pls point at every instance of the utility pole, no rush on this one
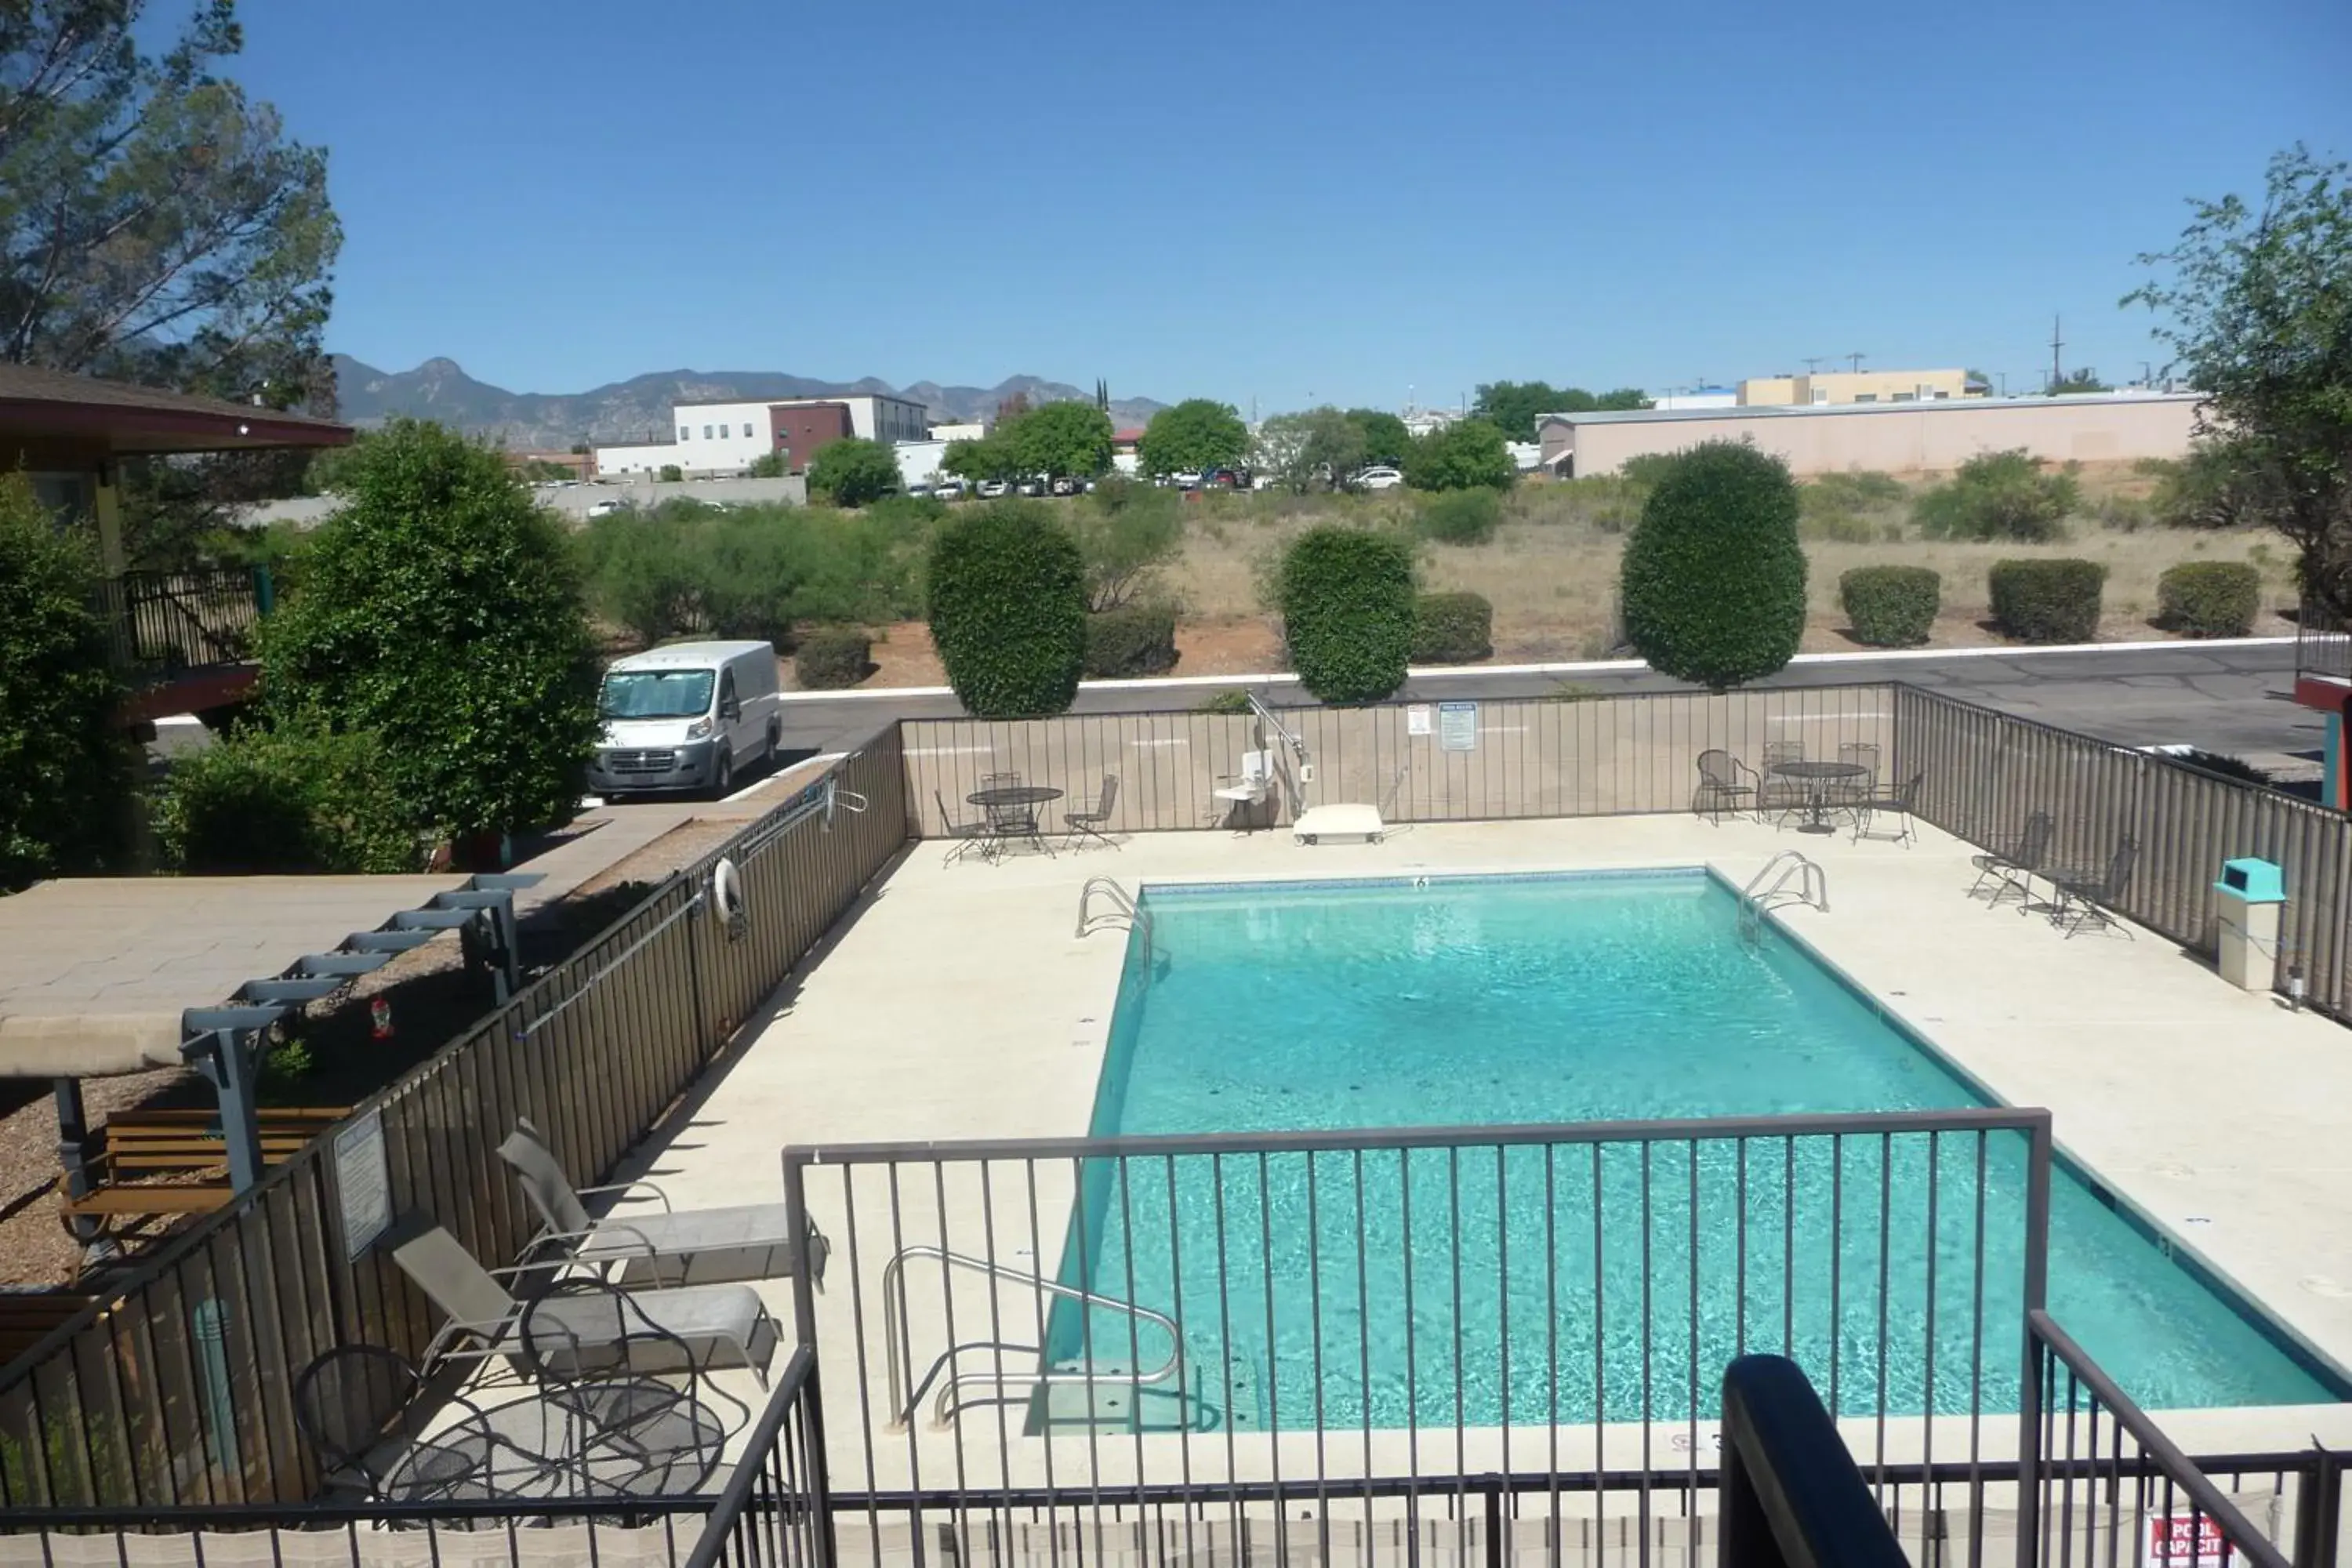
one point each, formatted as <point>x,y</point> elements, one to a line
<point>1854,362</point>
<point>1812,363</point>
<point>2057,343</point>
<point>2004,382</point>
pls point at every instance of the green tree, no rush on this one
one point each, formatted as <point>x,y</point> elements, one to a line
<point>1347,602</point>
<point>157,227</point>
<point>853,471</point>
<point>1999,495</point>
<point>1060,440</point>
<point>439,611</point>
<point>987,459</point>
<point>768,466</point>
<point>1192,438</point>
<point>1513,406</point>
<point>1458,456</point>
<point>1319,446</point>
<point>1126,532</point>
<point>293,799</point>
<point>1713,585</point>
<point>2083,380</point>
<point>1008,610</point>
<point>65,765</point>
<point>1623,400</point>
<point>1386,440</point>
<point>2256,307</point>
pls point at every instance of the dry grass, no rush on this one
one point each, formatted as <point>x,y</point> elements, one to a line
<point>1551,569</point>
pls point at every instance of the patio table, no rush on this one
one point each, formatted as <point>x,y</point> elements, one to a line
<point>1817,778</point>
<point>1013,810</point>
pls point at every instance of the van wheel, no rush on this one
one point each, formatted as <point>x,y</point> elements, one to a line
<point>722,777</point>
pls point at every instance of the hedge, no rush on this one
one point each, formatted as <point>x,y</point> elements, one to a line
<point>1348,613</point>
<point>1131,640</point>
<point>1713,585</point>
<point>2210,598</point>
<point>1453,629</point>
<point>1891,607</point>
<point>1008,606</point>
<point>286,800</point>
<point>831,658</point>
<point>1459,517</point>
<point>2052,601</point>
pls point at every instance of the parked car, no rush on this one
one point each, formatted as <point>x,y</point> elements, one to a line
<point>1225,480</point>
<point>949,490</point>
<point>1072,485</point>
<point>685,716</point>
<point>1188,482</point>
<point>1033,487</point>
<point>1381,478</point>
<point>990,489</point>
<point>606,508</point>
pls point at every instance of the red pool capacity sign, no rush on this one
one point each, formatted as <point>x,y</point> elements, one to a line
<point>2186,1541</point>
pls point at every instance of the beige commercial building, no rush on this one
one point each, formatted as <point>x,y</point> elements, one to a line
<point>1910,437</point>
<point>1853,386</point>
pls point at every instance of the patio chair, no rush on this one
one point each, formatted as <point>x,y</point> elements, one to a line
<point>1248,787</point>
<point>361,1410</point>
<point>1722,783</point>
<point>1090,822</point>
<point>2013,872</point>
<point>1851,795</point>
<point>966,836</point>
<point>1776,797</point>
<point>2082,902</point>
<point>1900,804</point>
<point>659,1246</point>
<point>709,1325</point>
<point>649,1436</point>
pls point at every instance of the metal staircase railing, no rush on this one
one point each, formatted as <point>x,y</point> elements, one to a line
<point>1769,889</point>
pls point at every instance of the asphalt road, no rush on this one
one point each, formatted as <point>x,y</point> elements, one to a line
<point>2236,701</point>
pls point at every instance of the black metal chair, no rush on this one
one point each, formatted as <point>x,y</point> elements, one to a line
<point>1900,804</point>
<point>1854,794</point>
<point>1090,822</point>
<point>2083,902</point>
<point>362,1408</point>
<point>636,1408</point>
<point>966,836</point>
<point>2015,872</point>
<point>1775,796</point>
<point>1722,783</point>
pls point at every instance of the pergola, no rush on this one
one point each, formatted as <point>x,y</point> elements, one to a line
<point>103,976</point>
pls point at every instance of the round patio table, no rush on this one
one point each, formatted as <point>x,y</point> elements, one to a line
<point>1817,778</point>
<point>1012,795</point>
<point>1013,814</point>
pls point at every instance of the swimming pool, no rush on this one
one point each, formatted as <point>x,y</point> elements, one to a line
<point>1489,1284</point>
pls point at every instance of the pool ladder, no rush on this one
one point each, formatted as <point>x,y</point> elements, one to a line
<point>906,1391</point>
<point>1769,888</point>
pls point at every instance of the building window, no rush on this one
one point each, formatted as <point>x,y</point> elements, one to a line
<point>1942,395</point>
<point>1865,397</point>
<point>1905,397</point>
<point>685,433</point>
<point>706,432</point>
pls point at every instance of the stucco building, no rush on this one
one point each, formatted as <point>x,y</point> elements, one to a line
<point>1910,437</point>
<point>1853,386</point>
<point>728,437</point>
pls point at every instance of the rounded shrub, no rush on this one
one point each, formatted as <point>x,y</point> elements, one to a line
<point>1131,640</point>
<point>1713,580</point>
<point>1459,517</point>
<point>1347,612</point>
<point>831,658</point>
<point>1891,607</point>
<point>2052,601</point>
<point>2210,598</point>
<point>1453,629</point>
<point>287,800</point>
<point>1008,608</point>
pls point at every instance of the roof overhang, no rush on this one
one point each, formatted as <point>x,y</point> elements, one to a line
<point>126,430</point>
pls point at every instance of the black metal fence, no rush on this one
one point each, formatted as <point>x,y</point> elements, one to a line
<point>171,621</point>
<point>176,1389</point>
<point>2323,645</point>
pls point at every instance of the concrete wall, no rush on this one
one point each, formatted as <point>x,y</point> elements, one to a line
<point>1903,438</point>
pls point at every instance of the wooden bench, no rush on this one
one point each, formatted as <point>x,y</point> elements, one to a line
<point>29,1317</point>
<point>135,1145</point>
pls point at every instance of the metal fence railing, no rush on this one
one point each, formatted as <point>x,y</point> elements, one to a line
<point>1985,772</point>
<point>1418,762</point>
<point>2323,645</point>
<point>171,621</point>
<point>1416,1336</point>
<point>175,1389</point>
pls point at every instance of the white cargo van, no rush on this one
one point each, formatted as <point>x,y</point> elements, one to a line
<point>686,717</point>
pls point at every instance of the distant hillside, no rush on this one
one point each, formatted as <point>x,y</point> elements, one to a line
<point>638,409</point>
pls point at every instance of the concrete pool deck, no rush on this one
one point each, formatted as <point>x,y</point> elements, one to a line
<point>955,1004</point>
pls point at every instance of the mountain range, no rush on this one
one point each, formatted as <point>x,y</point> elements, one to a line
<point>638,409</point>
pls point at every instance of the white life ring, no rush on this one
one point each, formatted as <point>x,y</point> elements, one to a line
<point>726,897</point>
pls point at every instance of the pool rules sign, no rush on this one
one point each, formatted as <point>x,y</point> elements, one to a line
<point>2186,1541</point>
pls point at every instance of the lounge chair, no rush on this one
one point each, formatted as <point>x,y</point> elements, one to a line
<point>2015,871</point>
<point>652,1247</point>
<point>1722,783</point>
<point>699,1325</point>
<point>1090,823</point>
<point>2083,902</point>
<point>966,836</point>
<point>1901,804</point>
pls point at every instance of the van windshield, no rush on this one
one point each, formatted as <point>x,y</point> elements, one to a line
<point>656,694</point>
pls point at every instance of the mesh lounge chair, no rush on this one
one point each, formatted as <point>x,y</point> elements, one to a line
<point>702,1325</point>
<point>1723,783</point>
<point>2013,872</point>
<point>2083,902</point>
<point>966,836</point>
<point>1090,824</point>
<point>652,1247</point>
<point>1870,807</point>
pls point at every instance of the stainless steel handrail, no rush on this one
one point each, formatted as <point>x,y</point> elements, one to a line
<point>899,1350</point>
<point>1812,888</point>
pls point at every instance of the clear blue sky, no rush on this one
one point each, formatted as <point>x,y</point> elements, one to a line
<point>1295,200</point>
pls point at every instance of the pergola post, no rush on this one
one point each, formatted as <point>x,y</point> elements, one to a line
<point>225,1045</point>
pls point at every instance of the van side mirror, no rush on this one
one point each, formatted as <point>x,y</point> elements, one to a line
<point>730,710</point>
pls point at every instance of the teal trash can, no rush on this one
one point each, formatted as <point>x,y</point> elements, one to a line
<point>2249,895</point>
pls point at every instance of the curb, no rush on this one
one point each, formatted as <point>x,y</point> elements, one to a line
<point>1587,667</point>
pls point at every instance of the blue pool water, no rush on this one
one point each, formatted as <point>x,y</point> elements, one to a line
<point>1525,1284</point>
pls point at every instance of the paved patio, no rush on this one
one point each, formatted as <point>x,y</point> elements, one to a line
<point>955,1004</point>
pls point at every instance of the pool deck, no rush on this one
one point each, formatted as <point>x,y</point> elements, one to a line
<point>955,1003</point>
